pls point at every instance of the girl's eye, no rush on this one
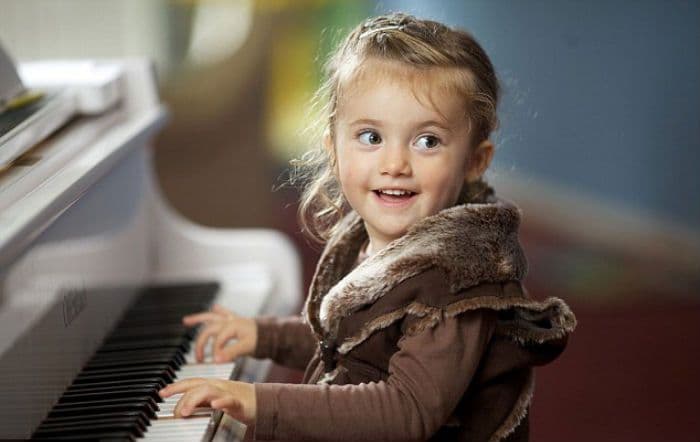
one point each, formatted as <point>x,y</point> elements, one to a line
<point>427,142</point>
<point>370,137</point>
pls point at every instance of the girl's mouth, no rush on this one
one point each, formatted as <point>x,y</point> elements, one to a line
<point>394,197</point>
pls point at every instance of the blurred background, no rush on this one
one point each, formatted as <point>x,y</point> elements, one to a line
<point>599,145</point>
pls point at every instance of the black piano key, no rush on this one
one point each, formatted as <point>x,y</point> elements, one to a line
<point>135,355</point>
<point>134,427</point>
<point>120,436</point>
<point>137,333</point>
<point>179,343</point>
<point>168,314</point>
<point>166,317</point>
<point>137,421</point>
<point>142,407</point>
<point>133,416</point>
<point>132,363</point>
<point>151,332</point>
<point>139,384</point>
<point>118,370</point>
<point>134,375</point>
<point>143,315</point>
<point>129,382</point>
<point>146,400</point>
<point>113,425</point>
<point>114,394</point>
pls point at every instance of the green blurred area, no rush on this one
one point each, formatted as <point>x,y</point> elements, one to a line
<point>296,68</point>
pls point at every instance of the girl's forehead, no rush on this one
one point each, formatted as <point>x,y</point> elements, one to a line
<point>431,87</point>
<point>423,79</point>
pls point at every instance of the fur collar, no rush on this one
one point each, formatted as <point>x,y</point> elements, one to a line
<point>472,243</point>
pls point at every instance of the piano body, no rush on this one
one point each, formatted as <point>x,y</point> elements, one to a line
<point>84,233</point>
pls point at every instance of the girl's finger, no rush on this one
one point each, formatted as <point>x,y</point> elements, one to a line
<point>181,386</point>
<point>202,338</point>
<point>225,334</point>
<point>197,318</point>
<point>228,403</point>
<point>218,308</point>
<point>228,353</point>
<point>201,395</point>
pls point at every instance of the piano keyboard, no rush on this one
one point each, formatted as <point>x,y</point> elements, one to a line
<point>115,396</point>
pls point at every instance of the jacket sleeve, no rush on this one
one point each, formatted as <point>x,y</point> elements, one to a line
<point>427,377</point>
<point>288,341</point>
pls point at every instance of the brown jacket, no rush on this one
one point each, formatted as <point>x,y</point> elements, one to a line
<point>433,337</point>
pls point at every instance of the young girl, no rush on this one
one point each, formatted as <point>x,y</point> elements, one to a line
<point>416,324</point>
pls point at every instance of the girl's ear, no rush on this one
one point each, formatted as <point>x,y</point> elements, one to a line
<point>328,141</point>
<point>479,160</point>
<point>330,149</point>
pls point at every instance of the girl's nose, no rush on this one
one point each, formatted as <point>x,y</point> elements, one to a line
<point>394,161</point>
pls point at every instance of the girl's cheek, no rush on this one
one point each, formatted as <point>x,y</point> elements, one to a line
<point>349,169</point>
<point>345,175</point>
<point>346,184</point>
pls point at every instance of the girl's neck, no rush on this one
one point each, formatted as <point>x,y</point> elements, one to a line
<point>365,251</point>
<point>375,243</point>
<point>362,255</point>
<point>373,246</point>
<point>368,250</point>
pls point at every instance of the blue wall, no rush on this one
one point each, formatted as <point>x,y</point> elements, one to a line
<point>599,96</point>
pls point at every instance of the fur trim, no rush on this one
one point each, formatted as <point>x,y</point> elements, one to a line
<point>330,376</point>
<point>563,321</point>
<point>471,243</point>
<point>415,308</point>
<point>519,411</point>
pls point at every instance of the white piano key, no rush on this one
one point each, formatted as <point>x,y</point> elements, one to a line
<point>168,428</point>
<point>162,426</point>
<point>208,353</point>
<point>190,429</point>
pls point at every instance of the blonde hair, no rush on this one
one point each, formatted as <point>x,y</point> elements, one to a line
<point>420,44</point>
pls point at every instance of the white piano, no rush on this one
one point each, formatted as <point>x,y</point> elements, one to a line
<point>85,233</point>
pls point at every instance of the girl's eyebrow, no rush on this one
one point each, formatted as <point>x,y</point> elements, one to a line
<point>429,123</point>
<point>367,121</point>
<point>435,123</point>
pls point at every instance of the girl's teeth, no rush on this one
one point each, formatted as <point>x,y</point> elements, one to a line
<point>395,192</point>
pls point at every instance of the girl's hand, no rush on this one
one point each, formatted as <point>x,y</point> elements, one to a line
<point>222,325</point>
<point>237,399</point>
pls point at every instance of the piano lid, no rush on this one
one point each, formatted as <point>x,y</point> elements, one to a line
<point>63,167</point>
<point>10,84</point>
<point>27,116</point>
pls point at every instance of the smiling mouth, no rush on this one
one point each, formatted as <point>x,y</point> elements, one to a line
<point>394,196</point>
<point>394,192</point>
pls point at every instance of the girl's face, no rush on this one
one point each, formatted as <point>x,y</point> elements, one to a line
<point>402,154</point>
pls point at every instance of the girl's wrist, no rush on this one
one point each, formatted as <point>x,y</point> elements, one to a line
<point>253,405</point>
